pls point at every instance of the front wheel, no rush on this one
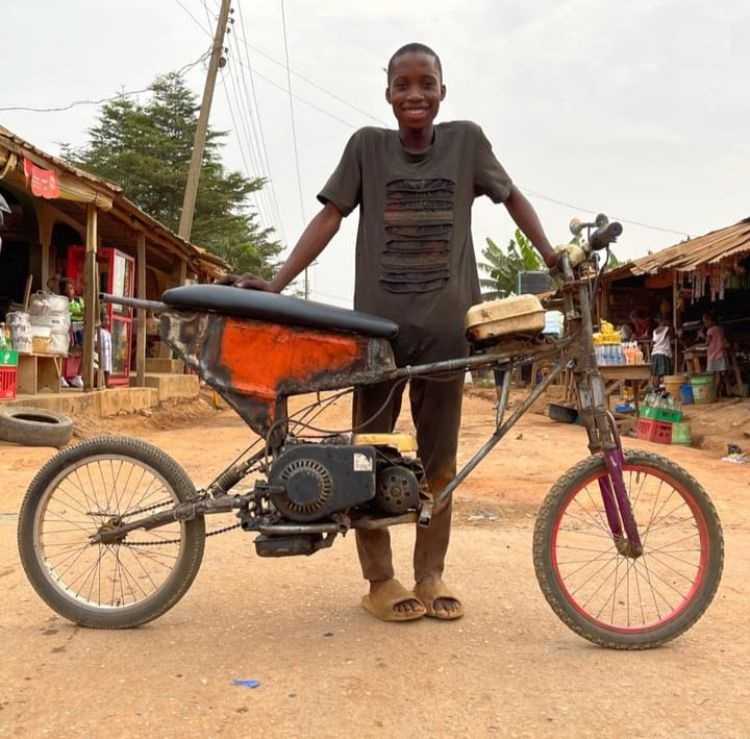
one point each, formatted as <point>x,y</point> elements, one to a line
<point>616,600</point>
<point>85,489</point>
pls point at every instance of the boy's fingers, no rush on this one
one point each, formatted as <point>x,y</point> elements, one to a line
<point>228,279</point>
<point>250,282</point>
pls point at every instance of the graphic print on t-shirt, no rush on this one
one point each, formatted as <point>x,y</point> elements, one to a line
<point>418,229</point>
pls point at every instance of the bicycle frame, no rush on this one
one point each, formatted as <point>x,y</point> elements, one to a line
<point>198,338</point>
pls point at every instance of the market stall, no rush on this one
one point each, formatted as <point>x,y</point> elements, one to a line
<point>703,287</point>
<point>63,225</point>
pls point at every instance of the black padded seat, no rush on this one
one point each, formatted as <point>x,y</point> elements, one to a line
<point>263,306</point>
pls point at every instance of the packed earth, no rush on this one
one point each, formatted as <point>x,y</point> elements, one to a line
<point>281,647</point>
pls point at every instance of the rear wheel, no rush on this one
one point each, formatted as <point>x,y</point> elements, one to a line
<point>108,585</point>
<point>618,601</point>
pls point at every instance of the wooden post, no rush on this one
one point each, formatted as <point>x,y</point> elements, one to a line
<point>140,349</point>
<point>199,143</point>
<point>675,298</point>
<point>89,297</point>
<point>183,272</point>
<point>46,222</point>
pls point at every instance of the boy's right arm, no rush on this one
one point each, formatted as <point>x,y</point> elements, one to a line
<point>321,229</point>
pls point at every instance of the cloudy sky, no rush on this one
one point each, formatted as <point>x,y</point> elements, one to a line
<point>636,109</point>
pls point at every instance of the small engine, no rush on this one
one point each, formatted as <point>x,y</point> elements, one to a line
<point>322,479</point>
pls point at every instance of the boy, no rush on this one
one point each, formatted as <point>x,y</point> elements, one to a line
<point>104,346</point>
<point>415,264</point>
<point>661,352</point>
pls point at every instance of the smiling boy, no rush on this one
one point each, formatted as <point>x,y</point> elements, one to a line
<point>415,264</point>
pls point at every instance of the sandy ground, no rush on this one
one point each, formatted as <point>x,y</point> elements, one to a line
<point>326,668</point>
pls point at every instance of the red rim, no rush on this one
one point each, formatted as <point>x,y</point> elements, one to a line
<point>703,559</point>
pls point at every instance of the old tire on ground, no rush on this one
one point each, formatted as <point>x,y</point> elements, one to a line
<point>69,471</point>
<point>35,427</point>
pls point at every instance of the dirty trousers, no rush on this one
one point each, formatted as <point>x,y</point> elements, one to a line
<point>436,412</point>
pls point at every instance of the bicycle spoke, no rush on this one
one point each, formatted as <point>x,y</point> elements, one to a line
<point>81,501</point>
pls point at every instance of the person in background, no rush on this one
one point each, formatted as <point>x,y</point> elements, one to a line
<point>76,308</point>
<point>716,350</point>
<point>641,324</point>
<point>661,353</point>
<point>104,348</point>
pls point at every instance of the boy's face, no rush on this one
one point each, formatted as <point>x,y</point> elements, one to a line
<point>415,90</point>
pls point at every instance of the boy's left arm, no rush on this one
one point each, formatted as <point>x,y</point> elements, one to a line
<point>525,217</point>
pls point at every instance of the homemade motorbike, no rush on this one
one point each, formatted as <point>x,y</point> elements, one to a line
<point>627,547</point>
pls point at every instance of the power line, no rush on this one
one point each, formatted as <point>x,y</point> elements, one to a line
<point>124,93</point>
<point>312,83</point>
<point>263,205</point>
<point>344,122</point>
<point>294,138</point>
<point>549,199</point>
<point>291,114</point>
<point>264,148</point>
<point>275,84</point>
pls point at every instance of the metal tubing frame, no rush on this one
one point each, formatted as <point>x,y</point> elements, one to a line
<point>500,432</point>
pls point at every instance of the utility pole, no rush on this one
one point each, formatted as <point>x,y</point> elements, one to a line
<point>194,173</point>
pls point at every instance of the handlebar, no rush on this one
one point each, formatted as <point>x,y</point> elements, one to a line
<point>603,237</point>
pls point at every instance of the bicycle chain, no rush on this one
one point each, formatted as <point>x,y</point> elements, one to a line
<point>146,509</point>
<point>176,541</point>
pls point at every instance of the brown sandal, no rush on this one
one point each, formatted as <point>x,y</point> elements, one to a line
<point>390,594</point>
<point>428,591</point>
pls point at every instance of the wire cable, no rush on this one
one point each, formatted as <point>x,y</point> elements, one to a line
<point>562,203</point>
<point>99,101</point>
<point>256,108</point>
<point>291,112</point>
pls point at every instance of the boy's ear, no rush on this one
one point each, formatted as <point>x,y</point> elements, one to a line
<point>388,94</point>
<point>443,91</point>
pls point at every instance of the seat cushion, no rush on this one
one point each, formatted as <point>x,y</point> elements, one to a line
<point>263,306</point>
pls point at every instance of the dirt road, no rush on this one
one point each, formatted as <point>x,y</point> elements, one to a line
<point>326,668</point>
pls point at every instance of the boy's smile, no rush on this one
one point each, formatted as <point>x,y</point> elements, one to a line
<point>415,90</point>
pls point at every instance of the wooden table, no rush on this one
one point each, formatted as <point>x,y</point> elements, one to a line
<point>615,376</point>
<point>39,373</point>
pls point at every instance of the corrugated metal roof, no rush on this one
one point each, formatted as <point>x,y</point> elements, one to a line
<point>116,193</point>
<point>686,256</point>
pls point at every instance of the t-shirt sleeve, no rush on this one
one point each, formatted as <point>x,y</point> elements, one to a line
<point>344,186</point>
<point>489,176</point>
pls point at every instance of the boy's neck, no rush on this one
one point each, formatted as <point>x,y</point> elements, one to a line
<point>417,140</point>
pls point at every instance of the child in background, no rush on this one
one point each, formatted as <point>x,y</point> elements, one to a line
<point>716,353</point>
<point>661,353</point>
<point>104,341</point>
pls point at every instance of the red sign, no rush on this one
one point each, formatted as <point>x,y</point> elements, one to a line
<point>43,181</point>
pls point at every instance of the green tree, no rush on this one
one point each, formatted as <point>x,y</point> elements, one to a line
<point>502,267</point>
<point>146,148</point>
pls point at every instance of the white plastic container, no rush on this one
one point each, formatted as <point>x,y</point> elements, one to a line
<point>554,323</point>
<point>501,319</point>
<point>43,303</point>
<point>59,343</point>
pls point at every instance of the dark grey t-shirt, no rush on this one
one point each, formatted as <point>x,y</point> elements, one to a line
<point>415,257</point>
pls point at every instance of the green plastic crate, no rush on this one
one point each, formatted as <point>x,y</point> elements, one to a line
<point>668,416</point>
<point>8,358</point>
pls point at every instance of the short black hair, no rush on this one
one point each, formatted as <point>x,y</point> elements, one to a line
<point>414,48</point>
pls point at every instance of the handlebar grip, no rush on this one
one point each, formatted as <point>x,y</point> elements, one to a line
<point>603,237</point>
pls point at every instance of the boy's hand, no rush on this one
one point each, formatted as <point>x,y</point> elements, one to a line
<point>247,282</point>
<point>576,255</point>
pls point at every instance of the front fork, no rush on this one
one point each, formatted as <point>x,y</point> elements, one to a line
<point>602,430</point>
